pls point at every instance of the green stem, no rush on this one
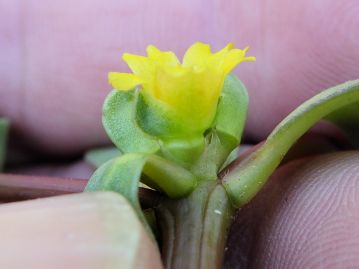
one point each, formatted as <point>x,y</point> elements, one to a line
<point>195,228</point>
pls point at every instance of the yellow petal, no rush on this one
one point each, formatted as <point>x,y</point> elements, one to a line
<point>139,64</point>
<point>233,58</point>
<point>189,91</point>
<point>221,53</point>
<point>197,55</point>
<point>123,81</point>
<point>162,58</point>
<point>193,95</point>
<point>170,84</point>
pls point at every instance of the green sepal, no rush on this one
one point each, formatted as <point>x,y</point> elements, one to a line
<point>176,142</point>
<point>156,118</point>
<point>121,124</point>
<point>225,135</point>
<point>4,130</point>
<point>243,182</point>
<point>99,156</point>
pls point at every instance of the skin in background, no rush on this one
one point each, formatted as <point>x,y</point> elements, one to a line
<point>56,55</point>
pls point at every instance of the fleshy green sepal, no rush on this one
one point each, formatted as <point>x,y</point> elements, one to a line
<point>121,123</point>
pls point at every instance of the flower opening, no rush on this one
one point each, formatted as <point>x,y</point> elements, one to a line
<point>190,90</point>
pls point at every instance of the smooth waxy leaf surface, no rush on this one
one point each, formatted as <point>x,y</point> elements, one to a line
<point>243,182</point>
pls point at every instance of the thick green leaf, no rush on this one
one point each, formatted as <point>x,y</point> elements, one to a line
<point>347,118</point>
<point>123,175</point>
<point>99,156</point>
<point>120,175</point>
<point>231,157</point>
<point>168,177</point>
<point>227,129</point>
<point>243,182</point>
<point>4,129</point>
<point>175,178</point>
<point>120,122</point>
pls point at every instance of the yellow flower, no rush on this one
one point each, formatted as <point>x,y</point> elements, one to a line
<point>190,90</point>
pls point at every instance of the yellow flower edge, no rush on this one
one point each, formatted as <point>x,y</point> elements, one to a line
<point>190,90</point>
